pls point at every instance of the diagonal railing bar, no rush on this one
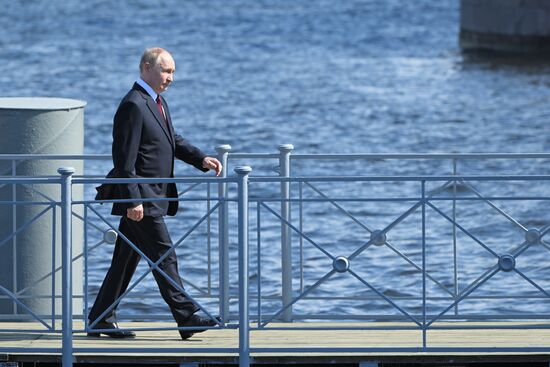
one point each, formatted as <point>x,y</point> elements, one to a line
<point>387,229</point>
<point>21,304</point>
<point>401,218</point>
<point>152,266</point>
<point>194,286</point>
<point>128,290</point>
<point>516,252</point>
<point>462,296</point>
<point>150,263</point>
<point>339,207</point>
<point>306,237</point>
<point>300,296</point>
<point>365,246</point>
<point>406,258</point>
<point>147,259</point>
<point>351,216</point>
<point>197,224</point>
<point>118,300</point>
<point>22,291</point>
<point>494,206</point>
<point>178,243</point>
<point>398,220</point>
<point>24,226</point>
<point>95,226</point>
<point>49,199</point>
<point>383,296</point>
<point>473,283</point>
<point>183,192</point>
<point>544,230</point>
<point>184,237</point>
<point>432,193</point>
<point>520,249</point>
<point>464,230</point>
<point>545,245</point>
<point>532,282</point>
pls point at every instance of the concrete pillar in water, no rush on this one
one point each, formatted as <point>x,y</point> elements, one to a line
<point>29,259</point>
<point>505,25</point>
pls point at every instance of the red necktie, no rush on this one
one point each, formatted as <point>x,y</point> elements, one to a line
<point>159,106</point>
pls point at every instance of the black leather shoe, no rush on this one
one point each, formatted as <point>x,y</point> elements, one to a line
<point>116,333</point>
<point>197,321</point>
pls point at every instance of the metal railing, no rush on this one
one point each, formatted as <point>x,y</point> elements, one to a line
<point>66,205</point>
<point>288,200</point>
<point>299,166</point>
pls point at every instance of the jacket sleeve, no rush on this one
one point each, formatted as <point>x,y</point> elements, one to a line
<point>189,153</point>
<point>128,123</point>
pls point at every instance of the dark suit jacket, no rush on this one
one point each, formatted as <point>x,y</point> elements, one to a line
<point>144,146</point>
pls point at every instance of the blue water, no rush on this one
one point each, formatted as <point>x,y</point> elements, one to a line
<point>354,76</point>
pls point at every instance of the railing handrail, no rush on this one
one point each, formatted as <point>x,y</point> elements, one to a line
<point>400,178</point>
<point>55,156</point>
<point>423,156</point>
<point>336,156</point>
<point>285,178</point>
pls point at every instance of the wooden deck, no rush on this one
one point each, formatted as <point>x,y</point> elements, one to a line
<point>325,345</point>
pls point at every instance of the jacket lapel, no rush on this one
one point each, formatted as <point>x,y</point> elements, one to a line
<point>160,120</point>
<point>168,122</point>
<point>152,105</point>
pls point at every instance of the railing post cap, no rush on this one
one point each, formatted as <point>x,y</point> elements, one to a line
<point>65,170</point>
<point>285,148</point>
<point>243,170</point>
<point>223,148</point>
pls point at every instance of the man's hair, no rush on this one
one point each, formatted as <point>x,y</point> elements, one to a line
<point>150,56</point>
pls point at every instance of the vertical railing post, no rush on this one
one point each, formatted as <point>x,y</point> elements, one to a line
<point>286,247</point>
<point>244,323</point>
<point>223,229</point>
<point>66,275</point>
<point>424,311</point>
<point>14,229</point>
<point>455,253</point>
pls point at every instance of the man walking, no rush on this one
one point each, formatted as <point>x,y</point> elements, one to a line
<point>145,145</point>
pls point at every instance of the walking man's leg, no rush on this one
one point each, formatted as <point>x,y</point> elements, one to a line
<point>156,242</point>
<point>123,266</point>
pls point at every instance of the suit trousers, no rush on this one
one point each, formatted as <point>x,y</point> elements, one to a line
<point>151,236</point>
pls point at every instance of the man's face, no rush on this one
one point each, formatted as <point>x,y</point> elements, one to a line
<point>160,76</point>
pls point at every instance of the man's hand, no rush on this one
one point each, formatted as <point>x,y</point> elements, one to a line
<point>135,213</point>
<point>212,163</point>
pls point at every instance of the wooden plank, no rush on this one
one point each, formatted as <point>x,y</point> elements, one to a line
<point>294,337</point>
